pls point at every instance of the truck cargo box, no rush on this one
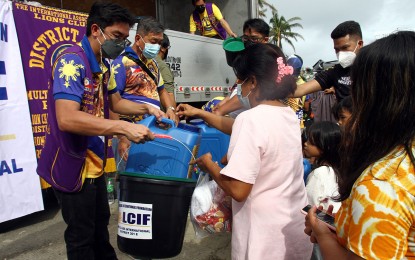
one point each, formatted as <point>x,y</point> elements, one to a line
<point>199,66</point>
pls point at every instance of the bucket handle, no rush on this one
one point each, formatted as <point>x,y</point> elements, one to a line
<point>168,123</point>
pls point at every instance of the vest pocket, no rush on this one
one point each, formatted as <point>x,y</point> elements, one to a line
<point>66,171</point>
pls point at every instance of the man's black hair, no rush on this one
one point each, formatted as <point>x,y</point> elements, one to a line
<point>106,14</point>
<point>258,25</point>
<point>194,2</point>
<point>347,28</point>
<point>165,43</point>
<point>147,25</point>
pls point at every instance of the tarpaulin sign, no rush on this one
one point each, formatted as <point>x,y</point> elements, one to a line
<point>20,192</point>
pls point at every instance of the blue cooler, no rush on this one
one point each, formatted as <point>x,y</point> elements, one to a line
<point>163,156</point>
<point>213,141</point>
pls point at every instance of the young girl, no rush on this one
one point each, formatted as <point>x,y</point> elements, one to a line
<point>323,139</point>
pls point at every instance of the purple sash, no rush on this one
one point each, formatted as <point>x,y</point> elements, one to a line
<point>212,19</point>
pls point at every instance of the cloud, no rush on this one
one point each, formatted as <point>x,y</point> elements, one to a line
<point>320,17</point>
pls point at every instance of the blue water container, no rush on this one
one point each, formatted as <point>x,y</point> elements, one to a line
<point>307,169</point>
<point>163,156</point>
<point>213,141</point>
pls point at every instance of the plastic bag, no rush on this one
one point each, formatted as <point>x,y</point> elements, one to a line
<point>210,209</point>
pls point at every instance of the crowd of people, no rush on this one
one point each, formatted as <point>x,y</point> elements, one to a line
<point>363,164</point>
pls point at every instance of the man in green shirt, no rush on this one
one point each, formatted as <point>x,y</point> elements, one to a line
<point>165,69</point>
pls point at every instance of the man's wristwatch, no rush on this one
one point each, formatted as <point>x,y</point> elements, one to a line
<point>172,108</point>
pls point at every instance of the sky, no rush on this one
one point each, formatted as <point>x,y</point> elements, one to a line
<point>320,17</point>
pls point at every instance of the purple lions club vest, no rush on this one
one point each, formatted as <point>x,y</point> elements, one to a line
<point>63,156</point>
<point>212,19</point>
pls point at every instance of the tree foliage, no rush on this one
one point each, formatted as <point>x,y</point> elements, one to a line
<point>282,29</point>
<point>263,4</point>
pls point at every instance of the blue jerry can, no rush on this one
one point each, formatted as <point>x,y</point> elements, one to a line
<point>169,153</point>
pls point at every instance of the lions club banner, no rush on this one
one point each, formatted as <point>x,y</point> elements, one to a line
<point>20,192</point>
<point>44,32</point>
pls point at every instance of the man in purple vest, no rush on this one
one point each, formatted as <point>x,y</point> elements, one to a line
<point>208,20</point>
<point>82,92</point>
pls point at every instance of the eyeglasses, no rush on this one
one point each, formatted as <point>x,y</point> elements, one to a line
<point>246,38</point>
<point>121,42</point>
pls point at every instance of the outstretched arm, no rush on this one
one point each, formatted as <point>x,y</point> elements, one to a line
<point>227,28</point>
<point>307,88</point>
<point>168,105</point>
<point>221,123</point>
<point>225,108</point>
<point>71,119</point>
<point>126,107</point>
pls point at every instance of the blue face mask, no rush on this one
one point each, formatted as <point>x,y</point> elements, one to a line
<point>150,50</point>
<point>244,100</point>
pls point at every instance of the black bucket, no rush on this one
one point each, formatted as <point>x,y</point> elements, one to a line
<point>153,214</point>
<point>232,47</point>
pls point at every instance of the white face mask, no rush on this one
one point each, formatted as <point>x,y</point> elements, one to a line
<point>150,50</point>
<point>244,100</point>
<point>346,58</point>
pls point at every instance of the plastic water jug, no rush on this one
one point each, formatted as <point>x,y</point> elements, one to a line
<point>307,169</point>
<point>169,153</point>
<point>213,141</point>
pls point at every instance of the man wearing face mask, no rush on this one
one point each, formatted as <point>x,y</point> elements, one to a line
<point>165,70</point>
<point>347,40</point>
<point>255,31</point>
<point>208,20</point>
<point>138,77</point>
<point>81,94</point>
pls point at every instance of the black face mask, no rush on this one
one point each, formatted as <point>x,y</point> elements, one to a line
<point>111,49</point>
<point>249,43</point>
<point>200,8</point>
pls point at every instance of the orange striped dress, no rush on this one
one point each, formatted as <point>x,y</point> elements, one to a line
<point>377,221</point>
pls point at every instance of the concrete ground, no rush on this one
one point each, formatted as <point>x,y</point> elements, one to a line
<point>40,236</point>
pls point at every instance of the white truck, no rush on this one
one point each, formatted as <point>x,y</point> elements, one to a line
<point>199,67</point>
<point>199,63</point>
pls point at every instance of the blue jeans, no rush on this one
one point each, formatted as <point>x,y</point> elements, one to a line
<point>87,215</point>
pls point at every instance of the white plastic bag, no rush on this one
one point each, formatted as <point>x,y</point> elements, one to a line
<point>210,208</point>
